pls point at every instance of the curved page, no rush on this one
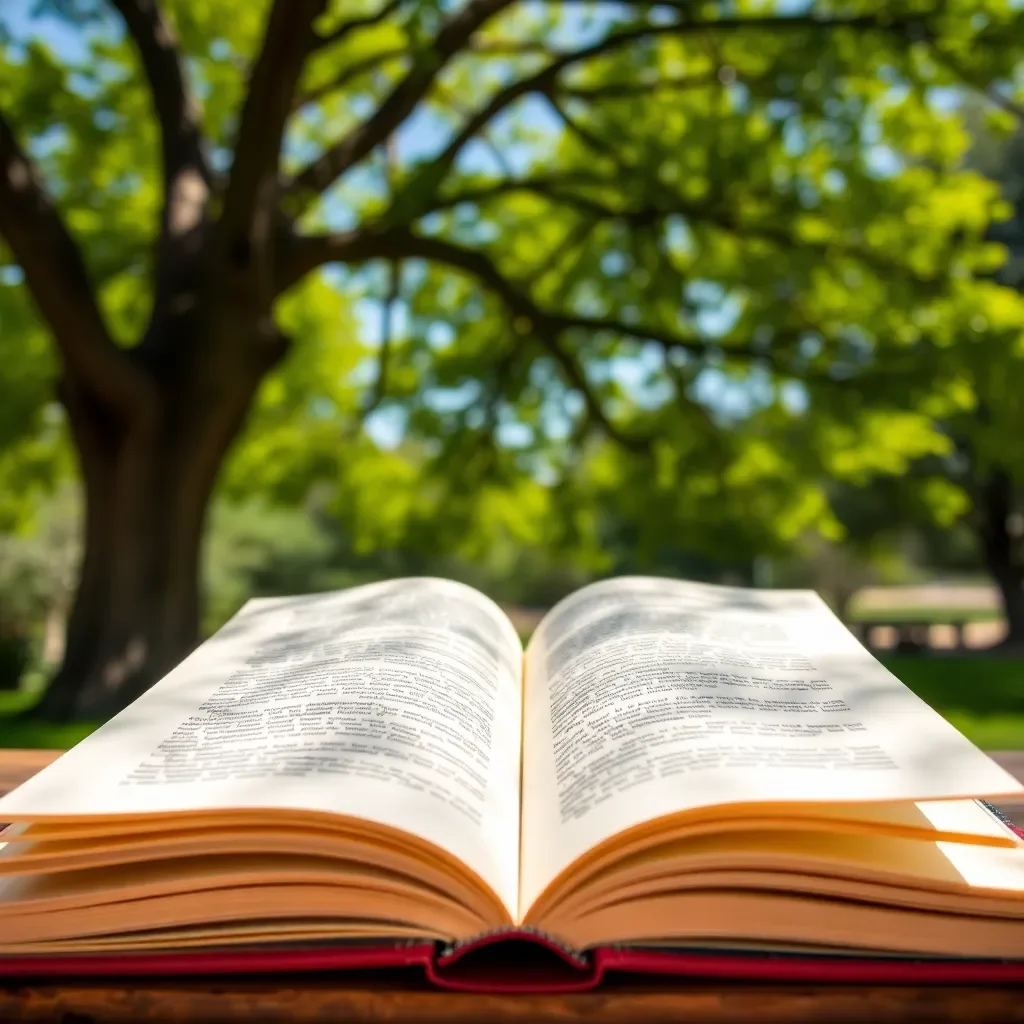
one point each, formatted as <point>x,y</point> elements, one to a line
<point>398,702</point>
<point>647,697</point>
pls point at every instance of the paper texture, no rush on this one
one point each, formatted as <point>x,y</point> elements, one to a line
<point>647,697</point>
<point>398,702</point>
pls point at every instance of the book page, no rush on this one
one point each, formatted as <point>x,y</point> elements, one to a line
<point>397,702</point>
<point>646,697</point>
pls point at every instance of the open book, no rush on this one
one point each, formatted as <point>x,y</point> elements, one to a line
<point>672,770</point>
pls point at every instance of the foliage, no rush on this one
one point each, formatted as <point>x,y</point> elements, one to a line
<point>249,544</point>
<point>785,211</point>
<point>38,566</point>
<point>625,283</point>
<point>22,590</point>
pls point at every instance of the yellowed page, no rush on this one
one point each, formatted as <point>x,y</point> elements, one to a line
<point>648,697</point>
<point>398,702</point>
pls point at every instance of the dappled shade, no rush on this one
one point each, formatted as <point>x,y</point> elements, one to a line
<point>608,280</point>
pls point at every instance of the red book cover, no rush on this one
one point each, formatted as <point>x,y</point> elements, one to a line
<point>523,960</point>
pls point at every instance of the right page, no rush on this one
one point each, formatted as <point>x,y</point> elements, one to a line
<point>646,697</point>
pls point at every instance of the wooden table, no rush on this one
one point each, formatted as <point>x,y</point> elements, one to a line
<point>400,1000</point>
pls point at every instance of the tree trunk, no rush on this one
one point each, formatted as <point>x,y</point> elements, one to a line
<point>147,487</point>
<point>135,613</point>
<point>1002,549</point>
<point>1011,593</point>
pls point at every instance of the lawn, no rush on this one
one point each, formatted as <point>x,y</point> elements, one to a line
<point>982,697</point>
<point>18,732</point>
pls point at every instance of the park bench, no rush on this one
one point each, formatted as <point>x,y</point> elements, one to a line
<point>376,998</point>
<point>911,634</point>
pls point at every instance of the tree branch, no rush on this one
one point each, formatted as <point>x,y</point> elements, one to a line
<point>510,48</point>
<point>563,189</point>
<point>576,376</point>
<point>448,95</point>
<point>387,325</point>
<point>574,242</point>
<point>528,318</point>
<point>987,89</point>
<point>548,325</point>
<point>59,283</point>
<point>425,183</point>
<point>584,134</point>
<point>362,245</point>
<point>186,170</point>
<point>630,90</point>
<point>427,65</point>
<point>305,253</point>
<point>346,76</point>
<point>676,5</point>
<point>1005,103</point>
<point>250,199</point>
<point>176,109</point>
<point>346,28</point>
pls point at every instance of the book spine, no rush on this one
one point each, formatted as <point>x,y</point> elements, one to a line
<point>577,956</point>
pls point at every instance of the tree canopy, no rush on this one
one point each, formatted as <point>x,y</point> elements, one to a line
<point>665,264</point>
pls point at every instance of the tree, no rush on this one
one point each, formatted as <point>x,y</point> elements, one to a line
<point>977,484</point>
<point>701,188</point>
<point>989,457</point>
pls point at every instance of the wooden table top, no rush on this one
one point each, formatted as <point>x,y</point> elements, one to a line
<point>177,1003</point>
<point>400,1000</point>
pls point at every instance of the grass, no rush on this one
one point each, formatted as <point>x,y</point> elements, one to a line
<point>982,697</point>
<point>990,732</point>
<point>975,684</point>
<point>26,734</point>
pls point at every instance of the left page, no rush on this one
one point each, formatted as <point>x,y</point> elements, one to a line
<point>398,702</point>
